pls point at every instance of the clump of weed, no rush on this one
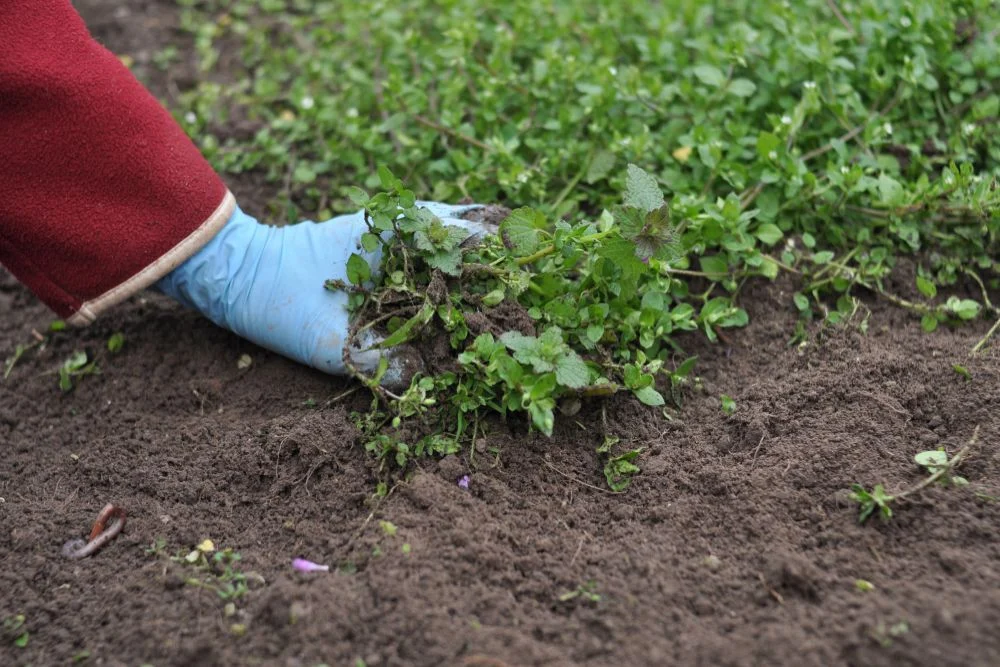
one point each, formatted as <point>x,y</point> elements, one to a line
<point>216,570</point>
<point>937,464</point>
<point>603,297</point>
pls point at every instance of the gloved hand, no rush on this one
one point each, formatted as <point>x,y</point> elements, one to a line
<point>265,284</point>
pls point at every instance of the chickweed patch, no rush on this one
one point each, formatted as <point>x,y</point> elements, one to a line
<point>661,158</point>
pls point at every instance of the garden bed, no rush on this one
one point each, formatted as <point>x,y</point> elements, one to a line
<point>737,544</point>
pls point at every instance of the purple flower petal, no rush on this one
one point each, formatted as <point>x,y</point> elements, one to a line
<point>303,565</point>
<point>463,482</point>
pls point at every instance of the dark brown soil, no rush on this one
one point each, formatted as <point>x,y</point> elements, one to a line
<point>735,546</point>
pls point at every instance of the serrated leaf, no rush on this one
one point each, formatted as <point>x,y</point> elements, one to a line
<point>572,371</point>
<point>642,190</point>
<point>520,230</point>
<point>449,261</point>
<point>623,254</point>
<point>710,75</point>
<point>630,220</point>
<point>358,270</point>
<point>518,342</point>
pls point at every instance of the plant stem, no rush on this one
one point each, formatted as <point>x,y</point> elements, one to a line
<point>942,471</point>
<point>989,334</point>
<point>452,133</point>
<point>551,248</point>
<point>572,183</point>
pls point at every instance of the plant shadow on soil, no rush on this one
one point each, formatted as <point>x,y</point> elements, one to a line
<point>736,545</point>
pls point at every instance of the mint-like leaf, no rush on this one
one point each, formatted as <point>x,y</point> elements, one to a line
<point>641,190</point>
<point>520,230</point>
<point>572,371</point>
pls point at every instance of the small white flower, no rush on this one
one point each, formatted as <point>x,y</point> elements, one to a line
<point>352,113</point>
<point>773,155</point>
<point>905,22</point>
<point>968,128</point>
<point>190,118</point>
<point>786,120</point>
<point>809,85</point>
<point>307,102</point>
<point>523,177</point>
<point>627,141</point>
<point>887,127</point>
<point>844,169</point>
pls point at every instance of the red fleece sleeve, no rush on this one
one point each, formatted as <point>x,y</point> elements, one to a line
<point>101,193</point>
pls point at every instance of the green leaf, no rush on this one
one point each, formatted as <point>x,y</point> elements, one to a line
<point>600,166</point>
<point>116,342</point>
<point>303,174</point>
<point>766,143</point>
<point>408,328</point>
<point>650,396</point>
<point>890,191</point>
<point>623,254</point>
<point>358,270</point>
<point>448,262</point>
<point>769,233</point>
<point>520,230</point>
<point>929,323</point>
<point>965,309</point>
<point>926,287</point>
<point>709,75</point>
<point>630,220</point>
<point>642,190</point>
<point>387,178</point>
<point>716,266</point>
<point>518,342</point>
<point>494,297</point>
<point>370,242</point>
<point>801,302</point>
<point>357,196</point>
<point>572,371</point>
<point>728,404</point>
<point>932,459</point>
<point>742,87</point>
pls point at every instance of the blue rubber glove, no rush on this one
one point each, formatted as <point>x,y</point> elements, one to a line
<point>265,284</point>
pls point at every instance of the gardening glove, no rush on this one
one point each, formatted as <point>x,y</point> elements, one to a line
<point>266,284</point>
